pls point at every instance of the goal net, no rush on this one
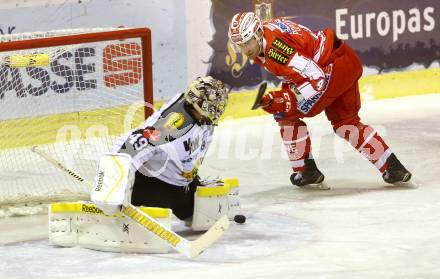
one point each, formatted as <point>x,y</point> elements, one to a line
<point>70,94</point>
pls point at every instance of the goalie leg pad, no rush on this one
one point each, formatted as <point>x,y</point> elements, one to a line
<point>84,224</point>
<point>113,184</point>
<point>234,207</point>
<point>212,202</point>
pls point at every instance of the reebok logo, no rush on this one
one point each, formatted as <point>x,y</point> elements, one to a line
<point>91,209</point>
<point>100,181</point>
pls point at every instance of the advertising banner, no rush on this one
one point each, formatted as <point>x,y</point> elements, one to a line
<point>387,35</point>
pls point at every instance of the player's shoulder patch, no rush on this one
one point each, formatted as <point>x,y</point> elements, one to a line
<point>280,25</point>
<point>283,46</point>
<point>277,56</point>
<point>174,120</point>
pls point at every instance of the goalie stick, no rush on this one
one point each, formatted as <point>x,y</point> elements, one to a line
<point>189,248</point>
<point>261,91</point>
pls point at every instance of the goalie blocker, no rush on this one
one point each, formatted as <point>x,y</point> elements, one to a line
<point>99,225</point>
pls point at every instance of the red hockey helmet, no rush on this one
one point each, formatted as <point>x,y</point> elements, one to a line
<point>243,27</point>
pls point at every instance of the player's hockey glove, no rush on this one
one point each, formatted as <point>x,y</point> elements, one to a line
<point>281,101</point>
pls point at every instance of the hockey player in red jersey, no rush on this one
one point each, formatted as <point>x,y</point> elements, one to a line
<point>319,72</point>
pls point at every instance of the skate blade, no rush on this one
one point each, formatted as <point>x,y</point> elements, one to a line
<point>319,186</point>
<point>408,184</point>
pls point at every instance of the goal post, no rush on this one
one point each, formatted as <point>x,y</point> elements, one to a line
<point>69,93</point>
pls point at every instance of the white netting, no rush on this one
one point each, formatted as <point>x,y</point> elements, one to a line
<point>70,101</point>
<point>54,33</point>
<point>48,34</point>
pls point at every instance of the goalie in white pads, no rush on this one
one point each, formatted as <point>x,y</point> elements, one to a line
<point>156,166</point>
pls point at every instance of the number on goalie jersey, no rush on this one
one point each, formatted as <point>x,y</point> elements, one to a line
<point>169,147</point>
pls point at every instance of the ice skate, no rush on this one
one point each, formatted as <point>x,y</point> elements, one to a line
<point>396,173</point>
<point>310,178</point>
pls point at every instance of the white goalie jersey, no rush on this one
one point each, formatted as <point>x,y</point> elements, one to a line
<point>170,145</point>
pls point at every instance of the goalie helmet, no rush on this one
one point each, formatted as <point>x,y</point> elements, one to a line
<point>243,27</point>
<point>208,96</point>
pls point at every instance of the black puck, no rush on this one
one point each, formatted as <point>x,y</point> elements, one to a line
<point>240,219</point>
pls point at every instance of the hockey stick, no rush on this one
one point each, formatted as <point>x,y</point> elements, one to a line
<point>186,247</point>
<point>189,248</point>
<point>261,91</point>
<point>60,166</point>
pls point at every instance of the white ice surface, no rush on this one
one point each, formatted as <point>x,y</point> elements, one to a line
<point>359,229</point>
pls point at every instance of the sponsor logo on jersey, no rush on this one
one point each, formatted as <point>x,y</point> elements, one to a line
<point>91,209</point>
<point>283,47</point>
<point>188,160</point>
<point>288,27</point>
<point>277,56</point>
<point>174,120</point>
<point>306,105</point>
<point>282,27</point>
<point>190,174</point>
<point>191,145</point>
<point>100,181</point>
<point>203,146</point>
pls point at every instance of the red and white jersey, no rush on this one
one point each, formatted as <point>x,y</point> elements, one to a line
<point>297,56</point>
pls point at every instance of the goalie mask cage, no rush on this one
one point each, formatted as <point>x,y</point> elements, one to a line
<point>70,94</point>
